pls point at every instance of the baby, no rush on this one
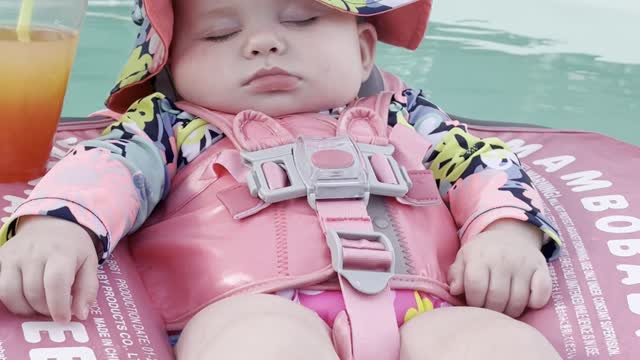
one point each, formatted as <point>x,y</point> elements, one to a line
<point>240,262</point>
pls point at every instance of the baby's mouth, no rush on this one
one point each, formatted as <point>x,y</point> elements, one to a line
<point>272,80</point>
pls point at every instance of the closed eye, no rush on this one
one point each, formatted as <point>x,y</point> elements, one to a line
<point>302,22</point>
<point>221,38</point>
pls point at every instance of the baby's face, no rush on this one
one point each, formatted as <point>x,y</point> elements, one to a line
<point>274,56</point>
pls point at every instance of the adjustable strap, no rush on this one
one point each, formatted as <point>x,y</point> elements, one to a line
<point>368,330</point>
<point>236,199</point>
<point>364,261</point>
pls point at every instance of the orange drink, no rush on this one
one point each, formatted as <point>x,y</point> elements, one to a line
<point>33,82</point>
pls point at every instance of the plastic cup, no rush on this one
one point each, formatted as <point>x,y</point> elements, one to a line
<point>38,41</point>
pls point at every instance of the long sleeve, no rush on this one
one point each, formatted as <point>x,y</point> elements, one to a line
<point>111,184</point>
<point>480,180</point>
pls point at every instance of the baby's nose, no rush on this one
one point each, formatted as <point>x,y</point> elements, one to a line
<point>265,43</point>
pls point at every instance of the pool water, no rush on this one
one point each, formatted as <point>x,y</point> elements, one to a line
<point>560,63</point>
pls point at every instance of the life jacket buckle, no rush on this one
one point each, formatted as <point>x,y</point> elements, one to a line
<point>329,168</point>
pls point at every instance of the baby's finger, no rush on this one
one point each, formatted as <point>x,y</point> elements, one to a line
<point>85,288</point>
<point>476,283</point>
<point>519,296</point>
<point>540,288</point>
<point>33,286</point>
<point>58,278</point>
<point>11,293</point>
<point>499,289</point>
<point>456,277</point>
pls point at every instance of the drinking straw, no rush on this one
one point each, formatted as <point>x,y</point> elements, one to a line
<point>23,29</point>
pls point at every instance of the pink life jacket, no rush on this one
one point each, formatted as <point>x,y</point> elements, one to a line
<point>350,212</point>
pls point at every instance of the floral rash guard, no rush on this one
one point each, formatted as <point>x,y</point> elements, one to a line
<point>111,184</point>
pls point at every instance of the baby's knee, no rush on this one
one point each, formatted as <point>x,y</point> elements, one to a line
<point>466,332</point>
<point>272,336</point>
<point>255,326</point>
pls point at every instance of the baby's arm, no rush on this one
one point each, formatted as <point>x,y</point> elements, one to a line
<point>496,208</point>
<point>105,188</point>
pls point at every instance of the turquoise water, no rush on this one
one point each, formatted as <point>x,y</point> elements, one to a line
<point>561,63</point>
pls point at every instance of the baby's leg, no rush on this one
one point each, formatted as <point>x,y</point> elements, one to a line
<point>255,327</point>
<point>458,333</point>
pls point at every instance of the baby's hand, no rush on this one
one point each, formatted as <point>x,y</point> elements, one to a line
<point>49,267</point>
<point>503,269</point>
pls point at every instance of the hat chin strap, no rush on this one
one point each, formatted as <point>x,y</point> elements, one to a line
<point>163,83</point>
<point>373,85</point>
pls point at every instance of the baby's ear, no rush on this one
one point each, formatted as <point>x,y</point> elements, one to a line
<point>368,38</point>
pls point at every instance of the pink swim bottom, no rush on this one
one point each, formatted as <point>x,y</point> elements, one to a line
<point>328,304</point>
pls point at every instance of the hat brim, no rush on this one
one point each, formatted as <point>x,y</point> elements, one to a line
<point>398,22</point>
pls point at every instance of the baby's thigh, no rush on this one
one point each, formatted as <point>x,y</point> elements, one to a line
<point>255,327</point>
<point>458,333</point>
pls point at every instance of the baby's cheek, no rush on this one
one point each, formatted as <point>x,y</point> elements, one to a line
<point>325,69</point>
